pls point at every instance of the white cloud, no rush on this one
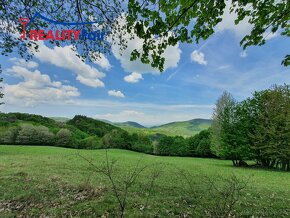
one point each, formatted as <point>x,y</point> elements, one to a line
<point>269,35</point>
<point>36,88</point>
<point>243,28</point>
<point>101,60</point>
<point>198,57</point>
<point>243,54</point>
<point>66,58</point>
<point>116,93</point>
<point>242,82</point>
<point>89,81</point>
<point>172,54</point>
<point>117,111</point>
<point>23,63</point>
<point>131,112</point>
<point>133,77</point>
<point>126,115</point>
<point>228,23</point>
<point>223,67</point>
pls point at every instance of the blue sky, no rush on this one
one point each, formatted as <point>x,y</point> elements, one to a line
<point>54,83</point>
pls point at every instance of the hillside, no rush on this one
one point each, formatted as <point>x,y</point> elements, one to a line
<point>79,132</point>
<point>184,128</point>
<point>181,128</point>
<point>36,129</point>
<point>129,124</point>
<point>91,126</point>
<point>60,119</point>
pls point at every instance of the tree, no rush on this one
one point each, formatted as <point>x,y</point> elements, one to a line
<point>158,24</point>
<point>34,135</point>
<point>269,116</point>
<point>9,135</point>
<point>117,138</point>
<point>226,100</point>
<point>1,80</point>
<point>141,143</point>
<point>26,135</point>
<point>200,144</point>
<point>172,146</point>
<point>184,21</point>
<point>256,128</point>
<point>64,138</point>
<point>43,136</point>
<point>91,142</point>
<point>229,139</point>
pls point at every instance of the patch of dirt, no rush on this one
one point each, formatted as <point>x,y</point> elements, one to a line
<point>87,192</point>
<point>21,174</point>
<point>55,178</point>
<point>16,205</point>
<point>69,195</point>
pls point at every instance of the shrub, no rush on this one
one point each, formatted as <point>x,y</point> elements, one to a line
<point>141,143</point>
<point>34,135</point>
<point>199,144</point>
<point>9,136</point>
<point>117,139</point>
<point>91,142</point>
<point>64,138</point>
<point>172,146</point>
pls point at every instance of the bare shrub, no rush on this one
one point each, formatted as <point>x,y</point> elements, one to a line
<point>223,196</point>
<point>121,187</point>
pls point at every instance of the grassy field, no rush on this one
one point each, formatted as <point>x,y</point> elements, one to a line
<point>58,182</point>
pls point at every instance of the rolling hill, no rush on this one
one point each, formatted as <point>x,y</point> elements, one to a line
<point>129,124</point>
<point>92,126</point>
<point>181,128</point>
<point>60,119</point>
<point>184,128</point>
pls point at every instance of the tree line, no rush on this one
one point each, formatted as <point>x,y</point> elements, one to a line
<point>257,128</point>
<point>86,133</point>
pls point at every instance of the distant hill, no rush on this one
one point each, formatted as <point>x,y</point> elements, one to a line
<point>10,120</point>
<point>184,128</point>
<point>18,118</point>
<point>60,119</point>
<point>129,124</point>
<point>91,126</point>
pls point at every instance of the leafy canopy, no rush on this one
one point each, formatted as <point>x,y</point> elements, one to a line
<point>256,128</point>
<point>159,24</point>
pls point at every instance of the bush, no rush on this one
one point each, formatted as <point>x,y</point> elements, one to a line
<point>172,146</point>
<point>34,135</point>
<point>9,136</point>
<point>91,142</point>
<point>199,144</point>
<point>141,143</point>
<point>117,139</point>
<point>64,138</point>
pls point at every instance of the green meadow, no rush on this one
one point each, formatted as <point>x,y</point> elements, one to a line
<point>38,181</point>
